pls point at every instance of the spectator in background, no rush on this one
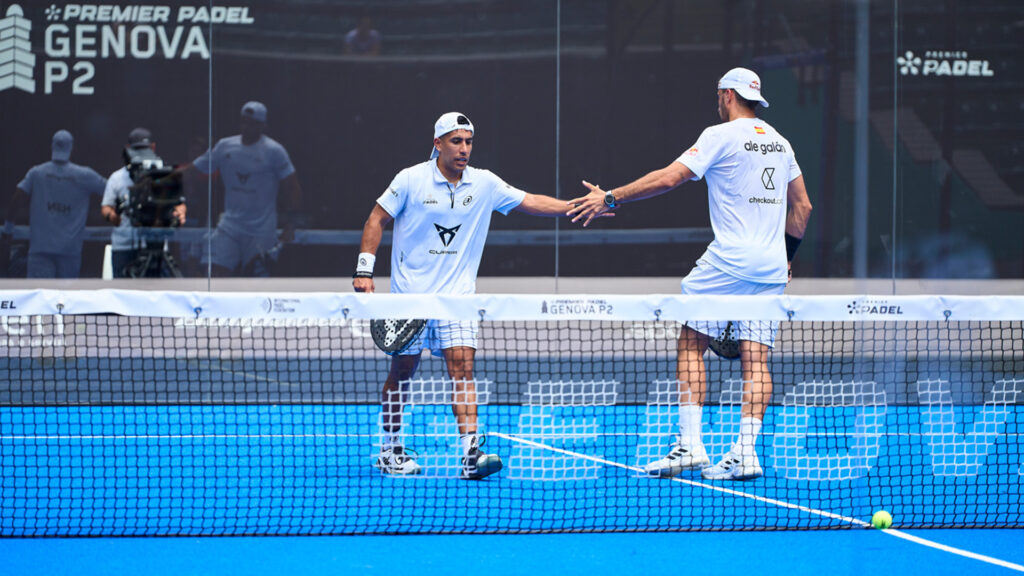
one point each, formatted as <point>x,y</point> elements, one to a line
<point>125,241</point>
<point>363,40</point>
<point>254,169</point>
<point>55,198</point>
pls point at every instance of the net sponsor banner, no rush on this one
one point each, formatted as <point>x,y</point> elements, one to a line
<point>28,302</point>
<point>538,307</point>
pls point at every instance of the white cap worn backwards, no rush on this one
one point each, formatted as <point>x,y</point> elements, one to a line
<point>448,122</point>
<point>745,82</point>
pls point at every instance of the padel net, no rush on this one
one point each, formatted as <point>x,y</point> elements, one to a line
<point>180,413</point>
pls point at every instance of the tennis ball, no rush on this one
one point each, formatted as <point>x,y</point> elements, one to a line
<point>881,520</point>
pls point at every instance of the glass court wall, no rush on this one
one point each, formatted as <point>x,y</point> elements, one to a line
<point>905,117</point>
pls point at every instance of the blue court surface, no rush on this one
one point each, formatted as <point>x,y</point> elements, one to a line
<point>214,470</point>
<point>793,553</point>
<point>307,470</point>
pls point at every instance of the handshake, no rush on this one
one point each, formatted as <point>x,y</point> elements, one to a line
<point>597,204</point>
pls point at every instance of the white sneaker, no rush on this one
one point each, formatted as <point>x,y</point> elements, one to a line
<point>680,458</point>
<point>734,467</point>
<point>476,464</point>
<point>394,461</point>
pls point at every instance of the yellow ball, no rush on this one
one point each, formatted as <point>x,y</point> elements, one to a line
<point>881,520</point>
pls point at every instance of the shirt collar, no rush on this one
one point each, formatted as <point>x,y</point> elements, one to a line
<point>467,174</point>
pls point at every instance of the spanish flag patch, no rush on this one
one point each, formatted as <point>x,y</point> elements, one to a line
<point>758,129</point>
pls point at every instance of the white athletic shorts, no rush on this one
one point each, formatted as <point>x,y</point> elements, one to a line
<point>706,279</point>
<point>439,335</point>
<point>234,251</point>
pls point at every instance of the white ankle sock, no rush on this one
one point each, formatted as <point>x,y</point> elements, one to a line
<point>389,440</point>
<point>746,442</point>
<point>689,424</point>
<point>468,442</point>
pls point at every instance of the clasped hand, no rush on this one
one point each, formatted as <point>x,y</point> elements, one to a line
<point>588,207</point>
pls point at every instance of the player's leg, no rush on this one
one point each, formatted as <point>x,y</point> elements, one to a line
<point>257,257</point>
<point>757,380</point>
<point>741,461</point>
<point>458,342</point>
<point>459,361</point>
<point>225,253</point>
<point>393,458</point>
<point>688,452</point>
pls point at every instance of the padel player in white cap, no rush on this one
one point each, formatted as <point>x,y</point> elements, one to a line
<point>759,211</point>
<point>442,211</point>
<point>255,169</point>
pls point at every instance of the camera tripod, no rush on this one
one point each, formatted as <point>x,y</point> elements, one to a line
<point>153,261</point>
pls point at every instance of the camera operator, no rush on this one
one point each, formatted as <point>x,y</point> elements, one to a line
<point>127,242</point>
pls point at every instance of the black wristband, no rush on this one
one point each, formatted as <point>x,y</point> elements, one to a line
<point>363,275</point>
<point>792,243</point>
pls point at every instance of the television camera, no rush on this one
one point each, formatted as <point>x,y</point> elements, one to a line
<point>155,193</point>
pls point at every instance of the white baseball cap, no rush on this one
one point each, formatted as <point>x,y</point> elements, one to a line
<point>745,82</point>
<point>61,146</point>
<point>448,122</point>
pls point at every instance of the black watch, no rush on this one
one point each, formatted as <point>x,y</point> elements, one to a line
<point>609,199</point>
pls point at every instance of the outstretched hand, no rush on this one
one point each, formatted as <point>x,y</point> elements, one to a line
<point>588,207</point>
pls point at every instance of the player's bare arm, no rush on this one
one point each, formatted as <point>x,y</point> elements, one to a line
<point>798,212</point>
<point>292,192</point>
<point>799,204</point>
<point>373,231</point>
<point>539,205</point>
<point>651,184</point>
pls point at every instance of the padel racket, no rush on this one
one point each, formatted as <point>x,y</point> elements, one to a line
<point>394,336</point>
<point>726,345</point>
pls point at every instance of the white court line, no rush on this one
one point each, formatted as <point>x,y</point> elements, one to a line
<point>216,365</point>
<point>780,503</point>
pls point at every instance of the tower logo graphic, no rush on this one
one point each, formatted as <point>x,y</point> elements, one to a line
<point>17,61</point>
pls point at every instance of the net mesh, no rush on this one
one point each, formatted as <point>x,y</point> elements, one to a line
<point>182,414</point>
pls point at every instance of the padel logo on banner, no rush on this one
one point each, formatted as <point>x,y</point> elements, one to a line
<point>942,63</point>
<point>76,34</point>
<point>876,307</point>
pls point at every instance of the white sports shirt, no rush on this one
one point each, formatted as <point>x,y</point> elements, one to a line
<point>252,176</point>
<point>748,166</point>
<point>117,191</point>
<point>440,229</point>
